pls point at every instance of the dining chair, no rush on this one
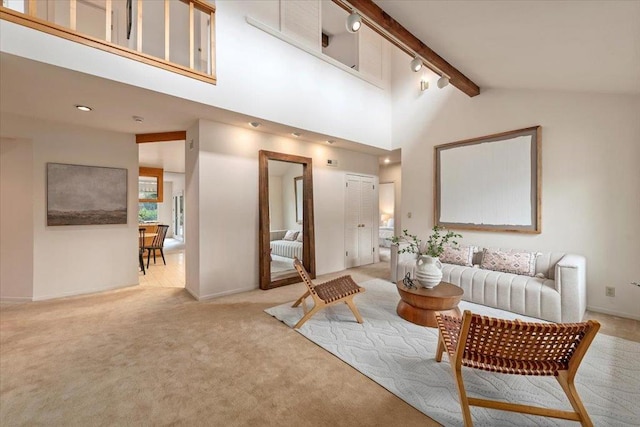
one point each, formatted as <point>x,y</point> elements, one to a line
<point>141,232</point>
<point>157,244</point>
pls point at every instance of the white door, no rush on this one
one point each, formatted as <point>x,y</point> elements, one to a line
<point>360,209</point>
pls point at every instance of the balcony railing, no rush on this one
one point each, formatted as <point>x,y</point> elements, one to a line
<point>176,35</point>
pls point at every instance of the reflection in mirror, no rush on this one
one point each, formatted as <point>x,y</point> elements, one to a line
<point>286,218</point>
<point>285,230</point>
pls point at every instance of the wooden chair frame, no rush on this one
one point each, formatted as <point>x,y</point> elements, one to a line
<point>516,347</point>
<point>141,232</point>
<point>335,291</point>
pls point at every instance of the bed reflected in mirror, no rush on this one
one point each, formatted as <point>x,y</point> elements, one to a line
<point>285,227</point>
<point>286,218</point>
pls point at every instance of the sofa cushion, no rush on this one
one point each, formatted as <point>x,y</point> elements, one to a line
<point>291,235</point>
<point>509,262</point>
<point>459,255</point>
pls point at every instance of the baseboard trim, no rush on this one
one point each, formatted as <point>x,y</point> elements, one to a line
<point>15,299</point>
<point>190,292</point>
<point>224,293</point>
<point>83,292</point>
<point>613,313</point>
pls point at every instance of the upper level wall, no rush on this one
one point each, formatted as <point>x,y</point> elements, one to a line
<point>258,75</point>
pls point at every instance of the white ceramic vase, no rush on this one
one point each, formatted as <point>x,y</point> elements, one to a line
<point>428,271</point>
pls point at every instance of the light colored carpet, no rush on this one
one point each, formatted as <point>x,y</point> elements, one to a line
<point>400,356</point>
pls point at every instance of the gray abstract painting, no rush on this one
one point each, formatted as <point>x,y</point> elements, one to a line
<point>86,195</point>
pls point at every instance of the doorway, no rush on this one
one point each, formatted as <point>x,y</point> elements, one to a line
<point>387,219</point>
<point>165,154</point>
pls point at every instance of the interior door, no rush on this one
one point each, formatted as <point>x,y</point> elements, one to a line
<point>352,221</point>
<point>360,207</point>
<point>365,233</point>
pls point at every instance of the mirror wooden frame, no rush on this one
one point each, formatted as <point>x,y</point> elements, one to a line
<point>308,231</point>
<point>158,174</point>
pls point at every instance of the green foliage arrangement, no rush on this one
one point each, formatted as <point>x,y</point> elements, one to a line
<point>434,246</point>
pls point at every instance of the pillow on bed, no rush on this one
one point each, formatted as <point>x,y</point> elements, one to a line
<point>299,238</point>
<point>460,255</point>
<point>290,235</point>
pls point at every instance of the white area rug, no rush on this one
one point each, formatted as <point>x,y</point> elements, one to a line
<point>400,356</point>
<point>280,264</point>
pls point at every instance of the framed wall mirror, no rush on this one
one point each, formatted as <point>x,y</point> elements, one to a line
<point>286,227</point>
<point>150,185</point>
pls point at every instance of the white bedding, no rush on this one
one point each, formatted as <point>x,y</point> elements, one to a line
<point>286,248</point>
<point>384,234</point>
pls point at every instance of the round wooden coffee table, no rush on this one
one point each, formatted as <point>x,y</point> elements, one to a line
<point>420,305</point>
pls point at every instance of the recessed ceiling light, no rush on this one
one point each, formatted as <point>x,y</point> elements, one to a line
<point>296,134</point>
<point>254,124</point>
<point>331,141</point>
<point>137,119</point>
<point>83,108</point>
<point>387,160</point>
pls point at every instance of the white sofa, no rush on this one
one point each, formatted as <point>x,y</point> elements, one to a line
<point>559,296</point>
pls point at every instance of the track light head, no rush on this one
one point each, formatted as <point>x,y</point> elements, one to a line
<point>443,82</point>
<point>354,22</point>
<point>416,64</point>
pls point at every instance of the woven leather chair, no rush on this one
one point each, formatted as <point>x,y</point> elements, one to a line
<point>516,347</point>
<point>342,289</point>
<point>157,244</point>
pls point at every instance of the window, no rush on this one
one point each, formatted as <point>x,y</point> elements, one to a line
<point>147,212</point>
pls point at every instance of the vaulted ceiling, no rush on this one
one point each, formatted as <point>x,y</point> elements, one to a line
<point>588,46</point>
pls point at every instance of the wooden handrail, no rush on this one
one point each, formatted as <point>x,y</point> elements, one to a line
<point>201,5</point>
<point>30,19</point>
<point>48,27</point>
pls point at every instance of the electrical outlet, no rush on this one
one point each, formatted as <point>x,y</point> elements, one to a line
<point>610,291</point>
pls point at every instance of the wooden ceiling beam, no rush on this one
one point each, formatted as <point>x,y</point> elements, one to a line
<point>179,135</point>
<point>372,12</point>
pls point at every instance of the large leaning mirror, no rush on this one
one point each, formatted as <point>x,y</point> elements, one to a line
<point>286,218</point>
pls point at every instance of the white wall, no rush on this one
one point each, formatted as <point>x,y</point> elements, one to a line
<point>70,260</point>
<point>165,209</point>
<point>590,174</point>
<point>16,219</point>
<point>225,260</point>
<point>276,217</point>
<point>344,106</point>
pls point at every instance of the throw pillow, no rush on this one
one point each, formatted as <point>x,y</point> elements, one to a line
<point>290,235</point>
<point>299,238</point>
<point>460,255</point>
<point>523,263</point>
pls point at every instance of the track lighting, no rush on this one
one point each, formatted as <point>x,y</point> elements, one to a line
<point>443,81</point>
<point>354,22</point>
<point>416,64</point>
